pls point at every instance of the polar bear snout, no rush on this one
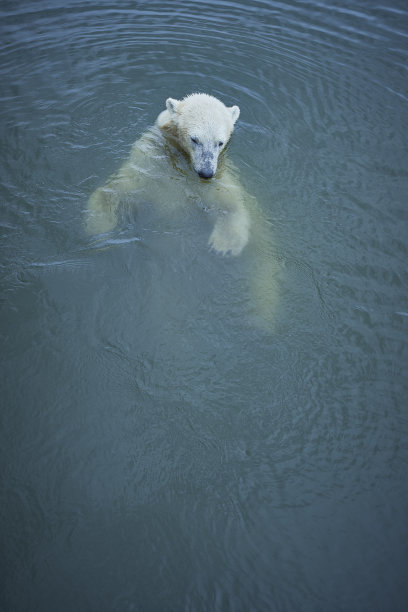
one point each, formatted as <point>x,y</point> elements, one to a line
<point>206,168</point>
<point>206,173</point>
<point>205,163</point>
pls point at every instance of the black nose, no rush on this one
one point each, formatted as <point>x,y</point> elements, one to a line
<point>207,174</point>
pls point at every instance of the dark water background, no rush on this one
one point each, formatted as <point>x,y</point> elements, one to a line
<point>158,451</point>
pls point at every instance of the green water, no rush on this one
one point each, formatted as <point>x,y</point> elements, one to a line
<point>161,450</point>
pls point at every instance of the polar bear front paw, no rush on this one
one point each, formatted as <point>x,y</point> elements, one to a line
<point>101,211</point>
<point>228,238</point>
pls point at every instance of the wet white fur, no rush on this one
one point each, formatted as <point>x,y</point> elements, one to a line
<point>149,168</point>
<point>162,170</point>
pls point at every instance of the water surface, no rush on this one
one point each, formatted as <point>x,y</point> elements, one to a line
<point>160,450</point>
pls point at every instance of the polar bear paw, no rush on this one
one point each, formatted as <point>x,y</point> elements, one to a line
<point>101,213</point>
<point>228,239</point>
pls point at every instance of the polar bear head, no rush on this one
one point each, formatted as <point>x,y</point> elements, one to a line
<point>202,126</point>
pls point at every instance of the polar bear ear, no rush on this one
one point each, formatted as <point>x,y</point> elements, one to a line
<point>234,110</point>
<point>171,105</point>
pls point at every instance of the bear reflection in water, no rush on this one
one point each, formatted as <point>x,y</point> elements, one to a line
<point>193,132</point>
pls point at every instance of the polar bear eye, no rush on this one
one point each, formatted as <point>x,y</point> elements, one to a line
<point>195,140</point>
<point>220,144</point>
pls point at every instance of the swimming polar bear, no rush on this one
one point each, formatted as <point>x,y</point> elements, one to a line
<point>199,126</point>
<point>190,135</point>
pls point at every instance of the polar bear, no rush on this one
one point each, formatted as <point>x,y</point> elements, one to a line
<point>199,127</point>
<point>180,162</point>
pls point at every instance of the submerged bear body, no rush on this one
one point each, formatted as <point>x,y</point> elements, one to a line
<point>179,163</point>
<point>175,163</point>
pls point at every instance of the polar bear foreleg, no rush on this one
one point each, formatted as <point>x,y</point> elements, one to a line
<point>101,213</point>
<point>231,229</point>
<point>230,233</point>
<point>104,202</point>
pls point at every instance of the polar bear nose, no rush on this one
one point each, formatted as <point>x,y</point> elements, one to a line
<point>206,173</point>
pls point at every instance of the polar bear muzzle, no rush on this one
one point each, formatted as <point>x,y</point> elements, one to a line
<point>208,169</point>
<point>206,173</point>
<point>204,161</point>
